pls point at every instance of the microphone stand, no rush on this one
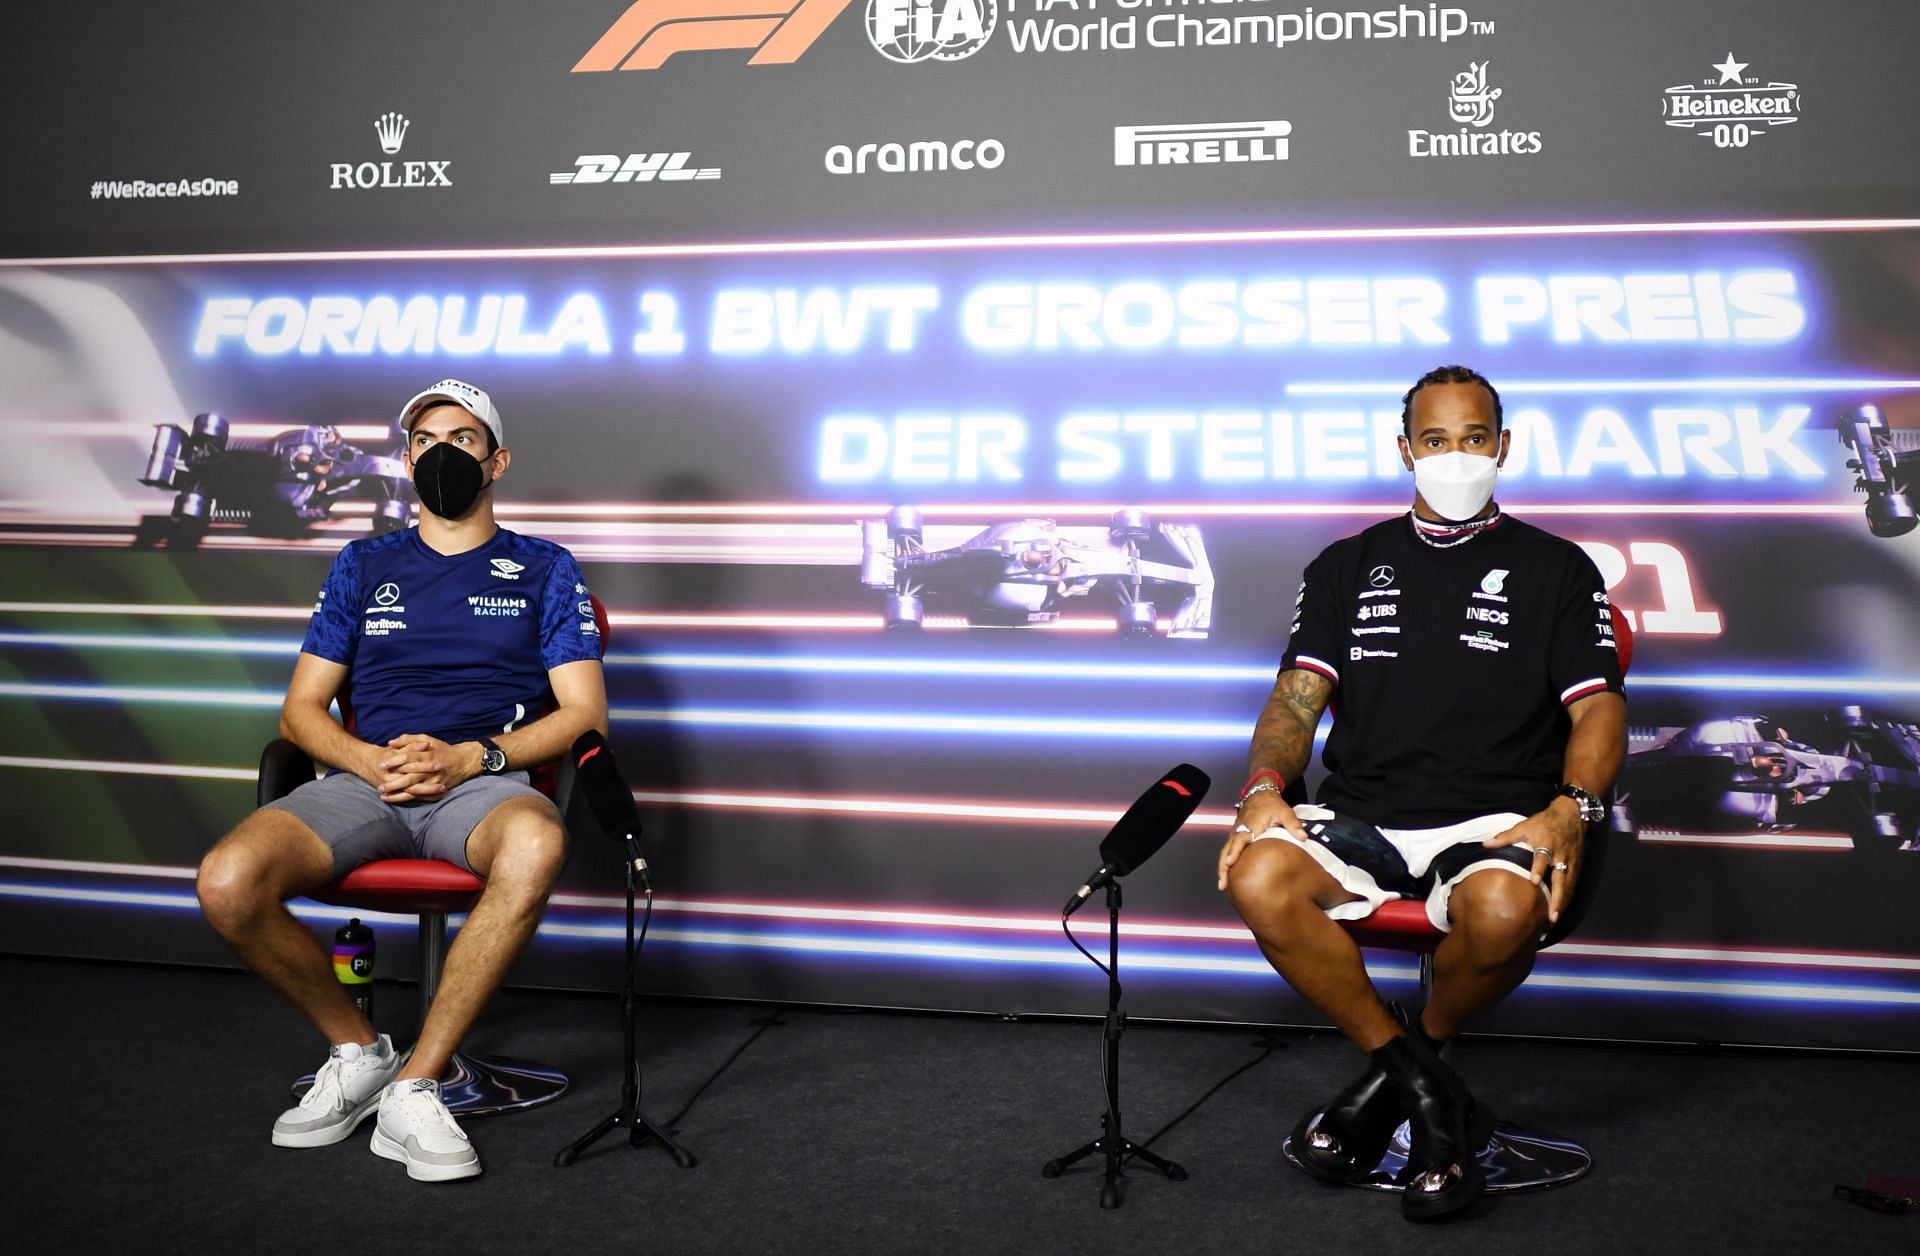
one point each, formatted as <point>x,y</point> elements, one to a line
<point>1112,1143</point>
<point>641,1128</point>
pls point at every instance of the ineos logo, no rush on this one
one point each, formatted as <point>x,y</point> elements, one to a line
<point>387,594</point>
<point>1380,577</point>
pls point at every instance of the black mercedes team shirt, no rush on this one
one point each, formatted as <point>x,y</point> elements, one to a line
<point>1452,668</point>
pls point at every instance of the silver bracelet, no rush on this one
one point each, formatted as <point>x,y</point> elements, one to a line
<point>1264,787</point>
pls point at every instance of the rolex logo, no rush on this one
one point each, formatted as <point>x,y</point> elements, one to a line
<point>392,129</point>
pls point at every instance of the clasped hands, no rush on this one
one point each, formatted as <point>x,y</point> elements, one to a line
<point>414,767</point>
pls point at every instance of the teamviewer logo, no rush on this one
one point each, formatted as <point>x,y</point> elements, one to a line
<point>650,31</point>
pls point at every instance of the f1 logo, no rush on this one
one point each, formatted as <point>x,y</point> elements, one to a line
<point>650,31</point>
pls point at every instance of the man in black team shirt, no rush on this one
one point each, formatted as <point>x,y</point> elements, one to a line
<point>1479,718</point>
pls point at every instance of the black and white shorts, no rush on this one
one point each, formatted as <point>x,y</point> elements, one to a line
<point>1379,865</point>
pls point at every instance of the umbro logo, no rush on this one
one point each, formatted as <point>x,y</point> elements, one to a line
<point>506,568</point>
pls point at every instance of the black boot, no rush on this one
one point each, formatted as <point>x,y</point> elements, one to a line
<point>1352,1132</point>
<point>1443,1175</point>
<point>1348,1139</point>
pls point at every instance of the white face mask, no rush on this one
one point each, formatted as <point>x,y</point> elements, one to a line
<point>1456,485</point>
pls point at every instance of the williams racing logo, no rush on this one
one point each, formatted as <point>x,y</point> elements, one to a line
<point>497,607</point>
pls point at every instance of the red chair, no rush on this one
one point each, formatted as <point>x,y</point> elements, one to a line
<point>473,1085</point>
<point>1516,1158</point>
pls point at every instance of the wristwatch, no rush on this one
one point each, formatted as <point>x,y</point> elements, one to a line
<point>1592,810</point>
<point>493,760</point>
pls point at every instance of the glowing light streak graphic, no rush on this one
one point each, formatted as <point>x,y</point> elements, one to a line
<point>1776,684</point>
<point>915,244</point>
<point>1010,669</point>
<point>192,645</point>
<point>881,666</point>
<point>144,431</point>
<point>1836,960</point>
<point>1798,992</point>
<point>944,723</point>
<point>1732,385</point>
<point>1760,841</point>
<point>122,768</point>
<point>140,693</point>
<point>156,608</point>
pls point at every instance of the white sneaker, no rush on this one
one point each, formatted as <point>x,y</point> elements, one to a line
<point>416,1129</point>
<point>345,1092</point>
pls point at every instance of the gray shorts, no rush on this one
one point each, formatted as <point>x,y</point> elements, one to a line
<point>350,818</point>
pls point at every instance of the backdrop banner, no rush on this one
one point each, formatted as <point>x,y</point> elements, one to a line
<point>944,399</point>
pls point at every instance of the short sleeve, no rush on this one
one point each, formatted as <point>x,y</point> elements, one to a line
<point>1585,660</point>
<point>334,630</point>
<point>1316,640</point>
<point>568,632</point>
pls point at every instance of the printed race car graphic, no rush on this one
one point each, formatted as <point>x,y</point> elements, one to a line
<point>279,487</point>
<point>1747,773</point>
<point>1886,466</point>
<point>1033,571</point>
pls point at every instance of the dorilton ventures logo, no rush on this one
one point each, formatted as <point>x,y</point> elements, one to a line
<point>1729,107</point>
<point>930,30</point>
<point>650,31</point>
<point>391,130</point>
<point>1470,105</point>
<point>1200,143</point>
<point>634,168</point>
<point>918,157</point>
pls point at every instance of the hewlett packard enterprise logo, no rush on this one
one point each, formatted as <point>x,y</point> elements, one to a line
<point>1200,143</point>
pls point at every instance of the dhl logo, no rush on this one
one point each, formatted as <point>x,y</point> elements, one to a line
<point>650,31</point>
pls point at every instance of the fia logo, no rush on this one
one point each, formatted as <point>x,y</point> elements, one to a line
<point>1494,581</point>
<point>909,31</point>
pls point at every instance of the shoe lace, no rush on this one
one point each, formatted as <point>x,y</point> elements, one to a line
<point>425,1108</point>
<point>326,1086</point>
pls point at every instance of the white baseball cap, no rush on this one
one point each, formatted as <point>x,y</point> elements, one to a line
<point>461,394</point>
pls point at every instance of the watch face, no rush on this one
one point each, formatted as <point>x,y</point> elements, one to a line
<point>492,758</point>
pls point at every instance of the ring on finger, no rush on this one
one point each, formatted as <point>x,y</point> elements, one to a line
<point>1559,865</point>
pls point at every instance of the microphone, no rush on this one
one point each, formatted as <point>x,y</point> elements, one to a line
<point>608,796</point>
<point>1156,816</point>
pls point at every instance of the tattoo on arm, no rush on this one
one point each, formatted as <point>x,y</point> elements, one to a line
<point>1283,736</point>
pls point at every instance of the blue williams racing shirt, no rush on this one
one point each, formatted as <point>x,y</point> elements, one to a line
<point>457,648</point>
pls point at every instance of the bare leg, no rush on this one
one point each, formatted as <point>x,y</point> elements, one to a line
<point>243,886</point>
<point>1497,920</point>
<point>1281,892</point>
<point>519,850</point>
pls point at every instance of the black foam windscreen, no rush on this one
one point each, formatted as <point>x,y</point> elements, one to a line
<point>1154,817</point>
<point>608,795</point>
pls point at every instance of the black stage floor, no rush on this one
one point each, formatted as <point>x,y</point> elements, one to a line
<point>147,1095</point>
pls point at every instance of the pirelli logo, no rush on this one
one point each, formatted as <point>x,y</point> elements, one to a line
<point>651,31</point>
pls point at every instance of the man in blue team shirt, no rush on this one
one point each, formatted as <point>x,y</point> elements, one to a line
<point>472,655</point>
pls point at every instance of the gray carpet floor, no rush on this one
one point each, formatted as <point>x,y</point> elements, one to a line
<point>149,1092</point>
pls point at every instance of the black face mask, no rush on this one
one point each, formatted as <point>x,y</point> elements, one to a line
<point>448,481</point>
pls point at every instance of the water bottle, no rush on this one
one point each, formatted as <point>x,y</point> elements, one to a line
<point>353,963</point>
